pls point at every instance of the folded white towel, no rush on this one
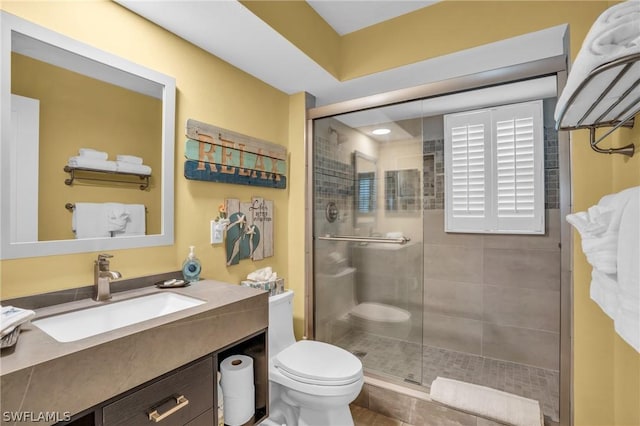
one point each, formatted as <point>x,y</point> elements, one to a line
<point>93,153</point>
<point>10,317</point>
<point>627,324</point>
<point>599,245</point>
<point>92,163</point>
<point>615,34</point>
<point>629,247</point>
<point>129,159</point>
<point>487,402</point>
<point>601,252</point>
<point>136,223</point>
<point>141,169</point>
<point>89,220</point>
<point>604,291</point>
<point>627,319</point>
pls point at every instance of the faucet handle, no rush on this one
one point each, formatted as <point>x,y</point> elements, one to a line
<point>103,261</point>
<point>104,256</point>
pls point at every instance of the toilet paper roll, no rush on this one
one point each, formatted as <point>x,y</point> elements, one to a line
<point>238,389</point>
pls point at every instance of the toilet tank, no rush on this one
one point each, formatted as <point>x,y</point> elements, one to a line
<point>280,322</point>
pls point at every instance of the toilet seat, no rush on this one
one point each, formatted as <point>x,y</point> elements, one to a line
<point>318,363</point>
<point>378,312</point>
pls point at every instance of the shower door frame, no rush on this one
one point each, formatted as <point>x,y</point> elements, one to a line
<point>556,66</point>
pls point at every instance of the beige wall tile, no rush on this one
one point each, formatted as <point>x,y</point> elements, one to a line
<point>531,347</point>
<point>539,269</point>
<point>434,232</point>
<point>522,307</point>
<point>453,298</point>
<point>453,263</point>
<point>458,334</point>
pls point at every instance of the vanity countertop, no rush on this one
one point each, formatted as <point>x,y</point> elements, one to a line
<point>44,375</point>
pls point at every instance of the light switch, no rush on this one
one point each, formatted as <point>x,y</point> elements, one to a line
<point>217,230</point>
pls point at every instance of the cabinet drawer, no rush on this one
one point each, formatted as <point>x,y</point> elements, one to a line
<point>204,419</point>
<point>177,399</point>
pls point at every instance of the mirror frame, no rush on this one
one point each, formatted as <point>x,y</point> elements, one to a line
<point>12,250</point>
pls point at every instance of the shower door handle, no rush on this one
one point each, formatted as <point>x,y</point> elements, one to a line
<point>358,239</point>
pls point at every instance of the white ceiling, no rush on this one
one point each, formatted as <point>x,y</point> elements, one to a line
<point>228,30</point>
<point>348,16</point>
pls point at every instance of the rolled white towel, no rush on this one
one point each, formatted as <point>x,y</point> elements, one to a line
<point>93,153</point>
<point>92,163</point>
<point>129,159</point>
<point>488,402</point>
<point>140,169</point>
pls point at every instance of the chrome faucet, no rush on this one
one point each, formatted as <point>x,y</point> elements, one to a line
<point>102,277</point>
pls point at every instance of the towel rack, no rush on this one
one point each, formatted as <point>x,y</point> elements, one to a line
<point>71,207</point>
<point>358,239</point>
<point>624,118</point>
<point>73,170</point>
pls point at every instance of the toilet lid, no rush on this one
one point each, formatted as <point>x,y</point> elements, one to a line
<point>314,362</point>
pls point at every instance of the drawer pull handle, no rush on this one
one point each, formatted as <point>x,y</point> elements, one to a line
<point>181,402</point>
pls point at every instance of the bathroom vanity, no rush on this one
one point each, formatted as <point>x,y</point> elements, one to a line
<point>159,370</point>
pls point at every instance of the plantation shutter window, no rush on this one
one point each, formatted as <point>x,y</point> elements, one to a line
<point>467,181</point>
<point>513,170</point>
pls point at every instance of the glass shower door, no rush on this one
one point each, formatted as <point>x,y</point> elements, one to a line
<point>368,252</point>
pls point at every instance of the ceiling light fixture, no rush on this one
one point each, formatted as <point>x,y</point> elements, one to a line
<point>381,131</point>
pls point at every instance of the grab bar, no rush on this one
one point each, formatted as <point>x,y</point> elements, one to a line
<point>357,239</point>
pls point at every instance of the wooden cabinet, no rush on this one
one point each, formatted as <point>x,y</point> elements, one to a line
<point>175,400</point>
<point>186,396</point>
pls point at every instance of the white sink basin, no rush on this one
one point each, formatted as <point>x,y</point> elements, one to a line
<point>76,325</point>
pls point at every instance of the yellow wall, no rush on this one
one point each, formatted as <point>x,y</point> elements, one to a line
<point>607,370</point>
<point>80,112</point>
<point>208,90</point>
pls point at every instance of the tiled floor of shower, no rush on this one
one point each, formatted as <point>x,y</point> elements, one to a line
<point>405,360</point>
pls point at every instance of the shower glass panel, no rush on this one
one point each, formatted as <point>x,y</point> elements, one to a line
<point>415,302</point>
<point>368,251</point>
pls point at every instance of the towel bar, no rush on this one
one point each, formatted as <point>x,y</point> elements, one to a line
<point>73,170</point>
<point>357,239</point>
<point>624,118</point>
<point>71,207</point>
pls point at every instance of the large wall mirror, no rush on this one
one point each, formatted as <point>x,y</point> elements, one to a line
<point>61,97</point>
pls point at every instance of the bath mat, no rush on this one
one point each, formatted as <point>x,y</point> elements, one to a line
<point>487,402</point>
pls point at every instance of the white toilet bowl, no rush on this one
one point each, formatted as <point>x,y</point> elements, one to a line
<point>311,383</point>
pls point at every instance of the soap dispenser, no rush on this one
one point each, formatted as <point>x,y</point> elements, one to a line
<point>191,267</point>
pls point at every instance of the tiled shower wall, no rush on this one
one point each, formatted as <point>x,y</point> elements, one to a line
<point>492,295</point>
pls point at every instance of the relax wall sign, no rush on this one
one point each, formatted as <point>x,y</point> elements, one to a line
<point>218,155</point>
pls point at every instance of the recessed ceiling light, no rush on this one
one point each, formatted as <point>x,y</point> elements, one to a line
<point>381,131</point>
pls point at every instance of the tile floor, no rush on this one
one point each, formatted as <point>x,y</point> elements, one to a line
<point>406,360</point>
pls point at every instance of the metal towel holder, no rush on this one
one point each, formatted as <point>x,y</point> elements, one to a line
<point>624,118</point>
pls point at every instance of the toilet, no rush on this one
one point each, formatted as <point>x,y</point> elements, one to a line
<point>311,383</point>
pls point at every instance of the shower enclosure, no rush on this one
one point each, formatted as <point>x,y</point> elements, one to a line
<point>412,301</point>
